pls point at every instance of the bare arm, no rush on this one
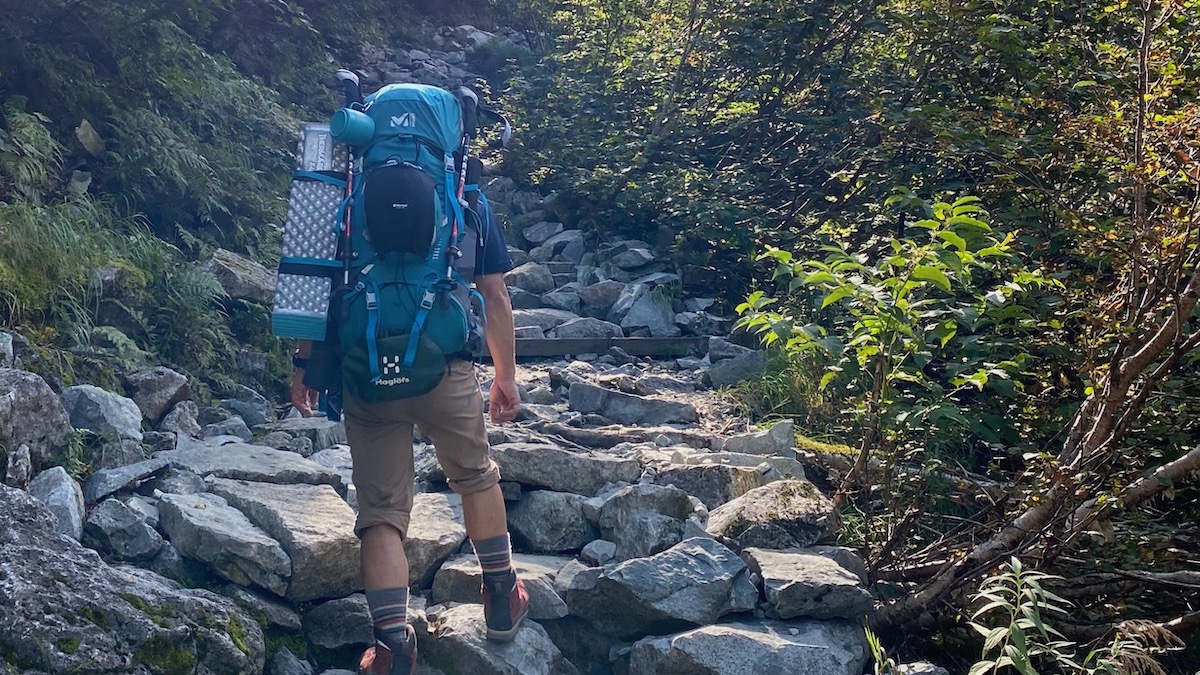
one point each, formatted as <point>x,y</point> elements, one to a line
<point>504,398</point>
<point>303,397</point>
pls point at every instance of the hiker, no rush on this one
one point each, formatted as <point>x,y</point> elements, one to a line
<point>381,445</point>
<point>392,380</point>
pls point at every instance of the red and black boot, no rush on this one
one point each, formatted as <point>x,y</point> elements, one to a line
<point>389,658</point>
<point>505,606</point>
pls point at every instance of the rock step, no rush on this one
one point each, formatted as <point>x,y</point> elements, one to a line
<point>563,278</point>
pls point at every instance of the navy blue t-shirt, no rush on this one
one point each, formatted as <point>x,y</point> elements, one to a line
<point>492,255</point>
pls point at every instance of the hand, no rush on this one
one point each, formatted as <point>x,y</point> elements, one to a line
<point>304,398</point>
<point>504,400</point>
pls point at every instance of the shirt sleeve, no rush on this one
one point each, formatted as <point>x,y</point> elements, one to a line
<point>492,256</point>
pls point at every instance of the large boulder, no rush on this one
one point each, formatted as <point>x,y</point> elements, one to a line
<point>156,391</point>
<point>644,519</point>
<point>691,584</point>
<point>799,583</point>
<point>532,277</point>
<point>55,488</point>
<point>63,610</point>
<point>712,484</point>
<point>544,521</point>
<point>554,468</point>
<point>101,411</point>
<point>627,408</point>
<point>314,525</point>
<point>242,278</point>
<point>243,461</point>
<point>457,644</point>
<point>740,648</point>
<point>783,514</point>
<point>31,414</point>
<point>206,528</point>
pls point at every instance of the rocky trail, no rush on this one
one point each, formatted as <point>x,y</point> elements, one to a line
<point>657,530</point>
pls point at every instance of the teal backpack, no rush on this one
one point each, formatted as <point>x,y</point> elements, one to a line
<point>406,308</point>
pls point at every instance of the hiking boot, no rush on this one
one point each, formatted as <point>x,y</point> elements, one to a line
<point>389,658</point>
<point>505,606</point>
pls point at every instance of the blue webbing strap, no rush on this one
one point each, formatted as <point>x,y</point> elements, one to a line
<point>414,336</point>
<point>452,196</point>
<point>471,187</point>
<point>319,177</point>
<point>372,329</point>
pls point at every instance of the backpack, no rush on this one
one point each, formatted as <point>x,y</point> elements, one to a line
<point>406,310</point>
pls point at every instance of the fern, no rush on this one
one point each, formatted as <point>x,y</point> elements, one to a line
<point>29,155</point>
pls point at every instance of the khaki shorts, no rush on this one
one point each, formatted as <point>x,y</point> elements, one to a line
<point>381,445</point>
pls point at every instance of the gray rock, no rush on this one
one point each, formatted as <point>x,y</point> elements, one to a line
<point>800,584</point>
<point>644,519</point>
<point>777,441</point>
<point>31,414</point>
<point>738,648</point>
<point>182,420</point>
<point>234,426</point>
<point>785,466</point>
<point>633,258</point>
<point>533,277</point>
<point>145,508</point>
<point>587,327</point>
<point>460,579</point>
<point>338,459</point>
<point>598,553</point>
<point>100,411</point>
<point>712,484</point>
<point>564,300</point>
<point>529,333</point>
<point>112,528</point>
<point>630,294</point>
<point>55,488</point>
<point>691,584</point>
<point>847,557</point>
<point>243,461</point>
<point>344,622</point>
<point>544,319</point>
<point>550,522</point>
<point>627,408</point>
<point>654,312</point>
<point>323,432</point>
<point>156,390</point>
<point>205,527</point>
<point>175,481</point>
<point>312,523</point>
<point>274,613</point>
<point>701,323</point>
<point>110,481</point>
<point>8,352</point>
<point>116,454</point>
<point>56,593</point>
<point>18,466</point>
<point>523,299</point>
<point>159,441</point>
<point>599,298</point>
<point>251,406</point>
<point>783,514</point>
<point>720,349</point>
<point>540,232</point>
<point>731,371</point>
<point>434,534</point>
<point>287,663</point>
<point>654,384</point>
<point>242,278</point>
<point>554,468</point>
<point>457,644</point>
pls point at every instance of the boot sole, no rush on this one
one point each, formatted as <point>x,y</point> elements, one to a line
<point>510,634</point>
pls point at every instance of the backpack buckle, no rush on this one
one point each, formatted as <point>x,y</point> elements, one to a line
<point>372,302</point>
<point>427,300</point>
